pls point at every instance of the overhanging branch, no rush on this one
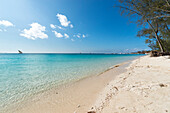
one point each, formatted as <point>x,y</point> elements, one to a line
<point>129,9</point>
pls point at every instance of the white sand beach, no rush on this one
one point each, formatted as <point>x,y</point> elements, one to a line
<point>143,88</point>
<point>85,56</point>
<point>74,97</point>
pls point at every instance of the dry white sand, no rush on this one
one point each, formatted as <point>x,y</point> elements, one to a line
<point>144,88</point>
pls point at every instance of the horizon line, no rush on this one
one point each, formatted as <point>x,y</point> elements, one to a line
<point>72,53</point>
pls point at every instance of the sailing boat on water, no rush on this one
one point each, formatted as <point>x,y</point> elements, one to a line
<point>20,52</point>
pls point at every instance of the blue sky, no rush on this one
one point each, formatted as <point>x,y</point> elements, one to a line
<point>45,26</point>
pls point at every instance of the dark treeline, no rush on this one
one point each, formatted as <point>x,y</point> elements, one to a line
<point>154,18</point>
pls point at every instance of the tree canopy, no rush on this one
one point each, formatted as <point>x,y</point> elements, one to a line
<point>154,17</point>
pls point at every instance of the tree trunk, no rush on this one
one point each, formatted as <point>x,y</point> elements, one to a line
<point>159,42</point>
<point>157,37</point>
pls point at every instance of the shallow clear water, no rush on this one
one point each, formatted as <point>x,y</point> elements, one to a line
<point>26,74</point>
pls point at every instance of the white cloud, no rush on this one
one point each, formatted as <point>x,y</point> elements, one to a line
<point>78,36</point>
<point>59,27</point>
<point>71,25</point>
<point>0,30</point>
<point>66,35</point>
<point>56,26</point>
<point>6,23</point>
<point>72,40</point>
<point>83,36</point>
<point>36,31</point>
<point>63,20</point>
<point>58,35</point>
<point>52,26</point>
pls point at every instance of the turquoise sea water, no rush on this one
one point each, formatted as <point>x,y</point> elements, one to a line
<point>22,75</point>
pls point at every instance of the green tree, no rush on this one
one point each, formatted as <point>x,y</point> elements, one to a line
<point>154,13</point>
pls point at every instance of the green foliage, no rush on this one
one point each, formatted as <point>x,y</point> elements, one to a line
<point>156,14</point>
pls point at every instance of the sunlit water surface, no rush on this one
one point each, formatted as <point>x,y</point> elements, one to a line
<point>26,74</point>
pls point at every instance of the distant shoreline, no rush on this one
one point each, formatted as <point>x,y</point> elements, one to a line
<point>81,53</point>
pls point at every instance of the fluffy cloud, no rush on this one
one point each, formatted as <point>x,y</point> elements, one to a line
<point>63,20</point>
<point>72,40</point>
<point>80,35</point>
<point>1,30</point>
<point>58,35</point>
<point>52,26</point>
<point>83,36</point>
<point>66,35</point>
<point>59,27</point>
<point>71,25</point>
<point>36,31</point>
<point>6,23</point>
<point>56,26</point>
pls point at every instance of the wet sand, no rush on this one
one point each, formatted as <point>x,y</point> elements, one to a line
<point>75,97</point>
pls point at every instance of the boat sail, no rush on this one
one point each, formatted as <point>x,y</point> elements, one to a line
<point>20,52</point>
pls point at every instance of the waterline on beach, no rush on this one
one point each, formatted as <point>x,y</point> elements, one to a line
<point>28,74</point>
